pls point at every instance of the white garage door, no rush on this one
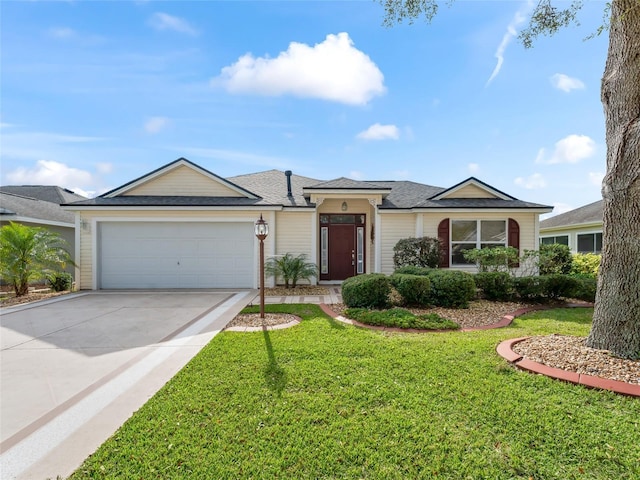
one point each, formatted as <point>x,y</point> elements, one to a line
<point>176,255</point>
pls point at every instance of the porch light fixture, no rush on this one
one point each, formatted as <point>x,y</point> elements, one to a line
<point>261,230</point>
<point>344,206</point>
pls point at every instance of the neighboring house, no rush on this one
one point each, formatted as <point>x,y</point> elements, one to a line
<point>580,229</point>
<point>182,226</point>
<point>39,206</point>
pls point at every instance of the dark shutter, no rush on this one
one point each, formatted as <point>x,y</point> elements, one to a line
<point>514,237</point>
<point>443,236</point>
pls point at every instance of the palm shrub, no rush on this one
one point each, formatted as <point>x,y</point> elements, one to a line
<point>30,253</point>
<point>366,291</point>
<point>291,268</point>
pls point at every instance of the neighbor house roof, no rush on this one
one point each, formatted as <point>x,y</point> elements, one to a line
<point>591,213</point>
<point>21,208</point>
<point>48,193</point>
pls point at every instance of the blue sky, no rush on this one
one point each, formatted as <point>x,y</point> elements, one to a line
<point>95,94</point>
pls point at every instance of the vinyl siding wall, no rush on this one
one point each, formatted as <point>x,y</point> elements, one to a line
<point>394,227</point>
<point>293,235</point>
<point>470,191</point>
<point>184,181</point>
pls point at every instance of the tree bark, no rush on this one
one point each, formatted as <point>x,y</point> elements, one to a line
<point>616,319</point>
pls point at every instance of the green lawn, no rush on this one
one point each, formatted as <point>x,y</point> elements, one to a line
<point>327,400</point>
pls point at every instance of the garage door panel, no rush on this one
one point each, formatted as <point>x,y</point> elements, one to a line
<point>176,255</point>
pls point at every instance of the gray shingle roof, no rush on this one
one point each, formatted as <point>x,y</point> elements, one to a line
<point>20,206</point>
<point>590,213</point>
<point>271,185</point>
<point>343,183</point>
<point>48,193</point>
<point>169,201</point>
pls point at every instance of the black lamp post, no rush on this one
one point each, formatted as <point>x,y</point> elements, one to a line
<point>262,230</point>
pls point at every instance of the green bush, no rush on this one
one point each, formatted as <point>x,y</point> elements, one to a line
<point>414,289</point>
<point>495,285</point>
<point>531,288</point>
<point>585,288</point>
<point>557,285</point>
<point>291,268</point>
<point>413,270</point>
<point>450,288</point>
<point>419,252</point>
<point>367,291</point>
<point>60,281</point>
<point>495,259</point>
<point>586,264</point>
<point>554,258</point>
<point>401,318</point>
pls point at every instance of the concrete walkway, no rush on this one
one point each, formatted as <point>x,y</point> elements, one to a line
<point>334,296</point>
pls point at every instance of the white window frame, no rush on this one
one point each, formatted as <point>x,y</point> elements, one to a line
<point>555,237</point>
<point>594,233</point>
<point>478,240</point>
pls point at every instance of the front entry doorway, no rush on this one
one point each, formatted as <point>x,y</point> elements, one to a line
<point>342,245</point>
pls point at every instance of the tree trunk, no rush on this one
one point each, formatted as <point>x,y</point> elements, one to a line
<point>616,319</point>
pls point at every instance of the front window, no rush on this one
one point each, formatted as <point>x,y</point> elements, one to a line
<point>590,243</point>
<point>470,234</point>
<point>560,239</point>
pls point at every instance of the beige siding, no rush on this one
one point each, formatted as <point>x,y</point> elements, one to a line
<point>394,227</point>
<point>526,221</point>
<point>293,233</point>
<point>470,191</point>
<point>87,233</point>
<point>572,233</point>
<point>184,181</point>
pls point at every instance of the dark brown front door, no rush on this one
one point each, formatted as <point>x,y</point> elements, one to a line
<point>342,245</point>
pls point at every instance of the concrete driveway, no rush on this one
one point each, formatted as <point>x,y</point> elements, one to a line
<point>74,368</point>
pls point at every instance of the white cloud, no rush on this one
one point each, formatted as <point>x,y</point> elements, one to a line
<point>516,21</point>
<point>596,178</point>
<point>533,182</point>
<point>48,172</point>
<point>473,168</point>
<point>380,132</point>
<point>155,124</point>
<point>571,149</point>
<point>163,21</point>
<point>565,83</point>
<point>62,32</point>
<point>104,168</point>
<point>332,70</point>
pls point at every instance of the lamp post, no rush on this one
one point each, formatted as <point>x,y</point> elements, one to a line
<point>262,230</point>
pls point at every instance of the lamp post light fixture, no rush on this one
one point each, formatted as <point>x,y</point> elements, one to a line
<point>262,230</point>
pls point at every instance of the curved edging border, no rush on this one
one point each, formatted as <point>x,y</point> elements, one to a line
<point>505,350</point>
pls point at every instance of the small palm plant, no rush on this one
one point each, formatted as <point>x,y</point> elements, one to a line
<point>30,253</point>
<point>291,268</point>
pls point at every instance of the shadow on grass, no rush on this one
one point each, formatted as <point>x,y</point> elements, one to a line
<point>578,314</point>
<point>274,374</point>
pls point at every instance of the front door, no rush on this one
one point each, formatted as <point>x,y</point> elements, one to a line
<point>341,246</point>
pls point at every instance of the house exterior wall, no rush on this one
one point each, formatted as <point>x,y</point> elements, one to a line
<point>293,235</point>
<point>470,191</point>
<point>394,227</point>
<point>89,221</point>
<point>572,232</point>
<point>183,181</point>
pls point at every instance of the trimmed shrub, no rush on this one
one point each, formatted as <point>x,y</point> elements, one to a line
<point>413,270</point>
<point>367,291</point>
<point>414,289</point>
<point>585,288</point>
<point>450,288</point>
<point>531,288</point>
<point>401,318</point>
<point>586,264</point>
<point>420,252</point>
<point>554,258</point>
<point>495,259</point>
<point>60,281</point>
<point>494,285</point>
<point>557,286</point>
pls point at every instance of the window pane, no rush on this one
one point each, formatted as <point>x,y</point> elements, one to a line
<point>324,250</point>
<point>585,243</point>
<point>598,242</point>
<point>463,230</point>
<point>343,219</point>
<point>493,231</point>
<point>562,240</point>
<point>456,253</point>
<point>492,245</point>
<point>547,241</point>
<point>360,250</point>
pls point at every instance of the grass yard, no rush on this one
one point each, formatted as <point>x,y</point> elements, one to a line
<point>327,400</point>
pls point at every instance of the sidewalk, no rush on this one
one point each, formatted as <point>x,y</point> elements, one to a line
<point>334,296</point>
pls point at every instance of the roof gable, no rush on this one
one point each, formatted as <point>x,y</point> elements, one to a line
<point>181,178</point>
<point>472,188</point>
